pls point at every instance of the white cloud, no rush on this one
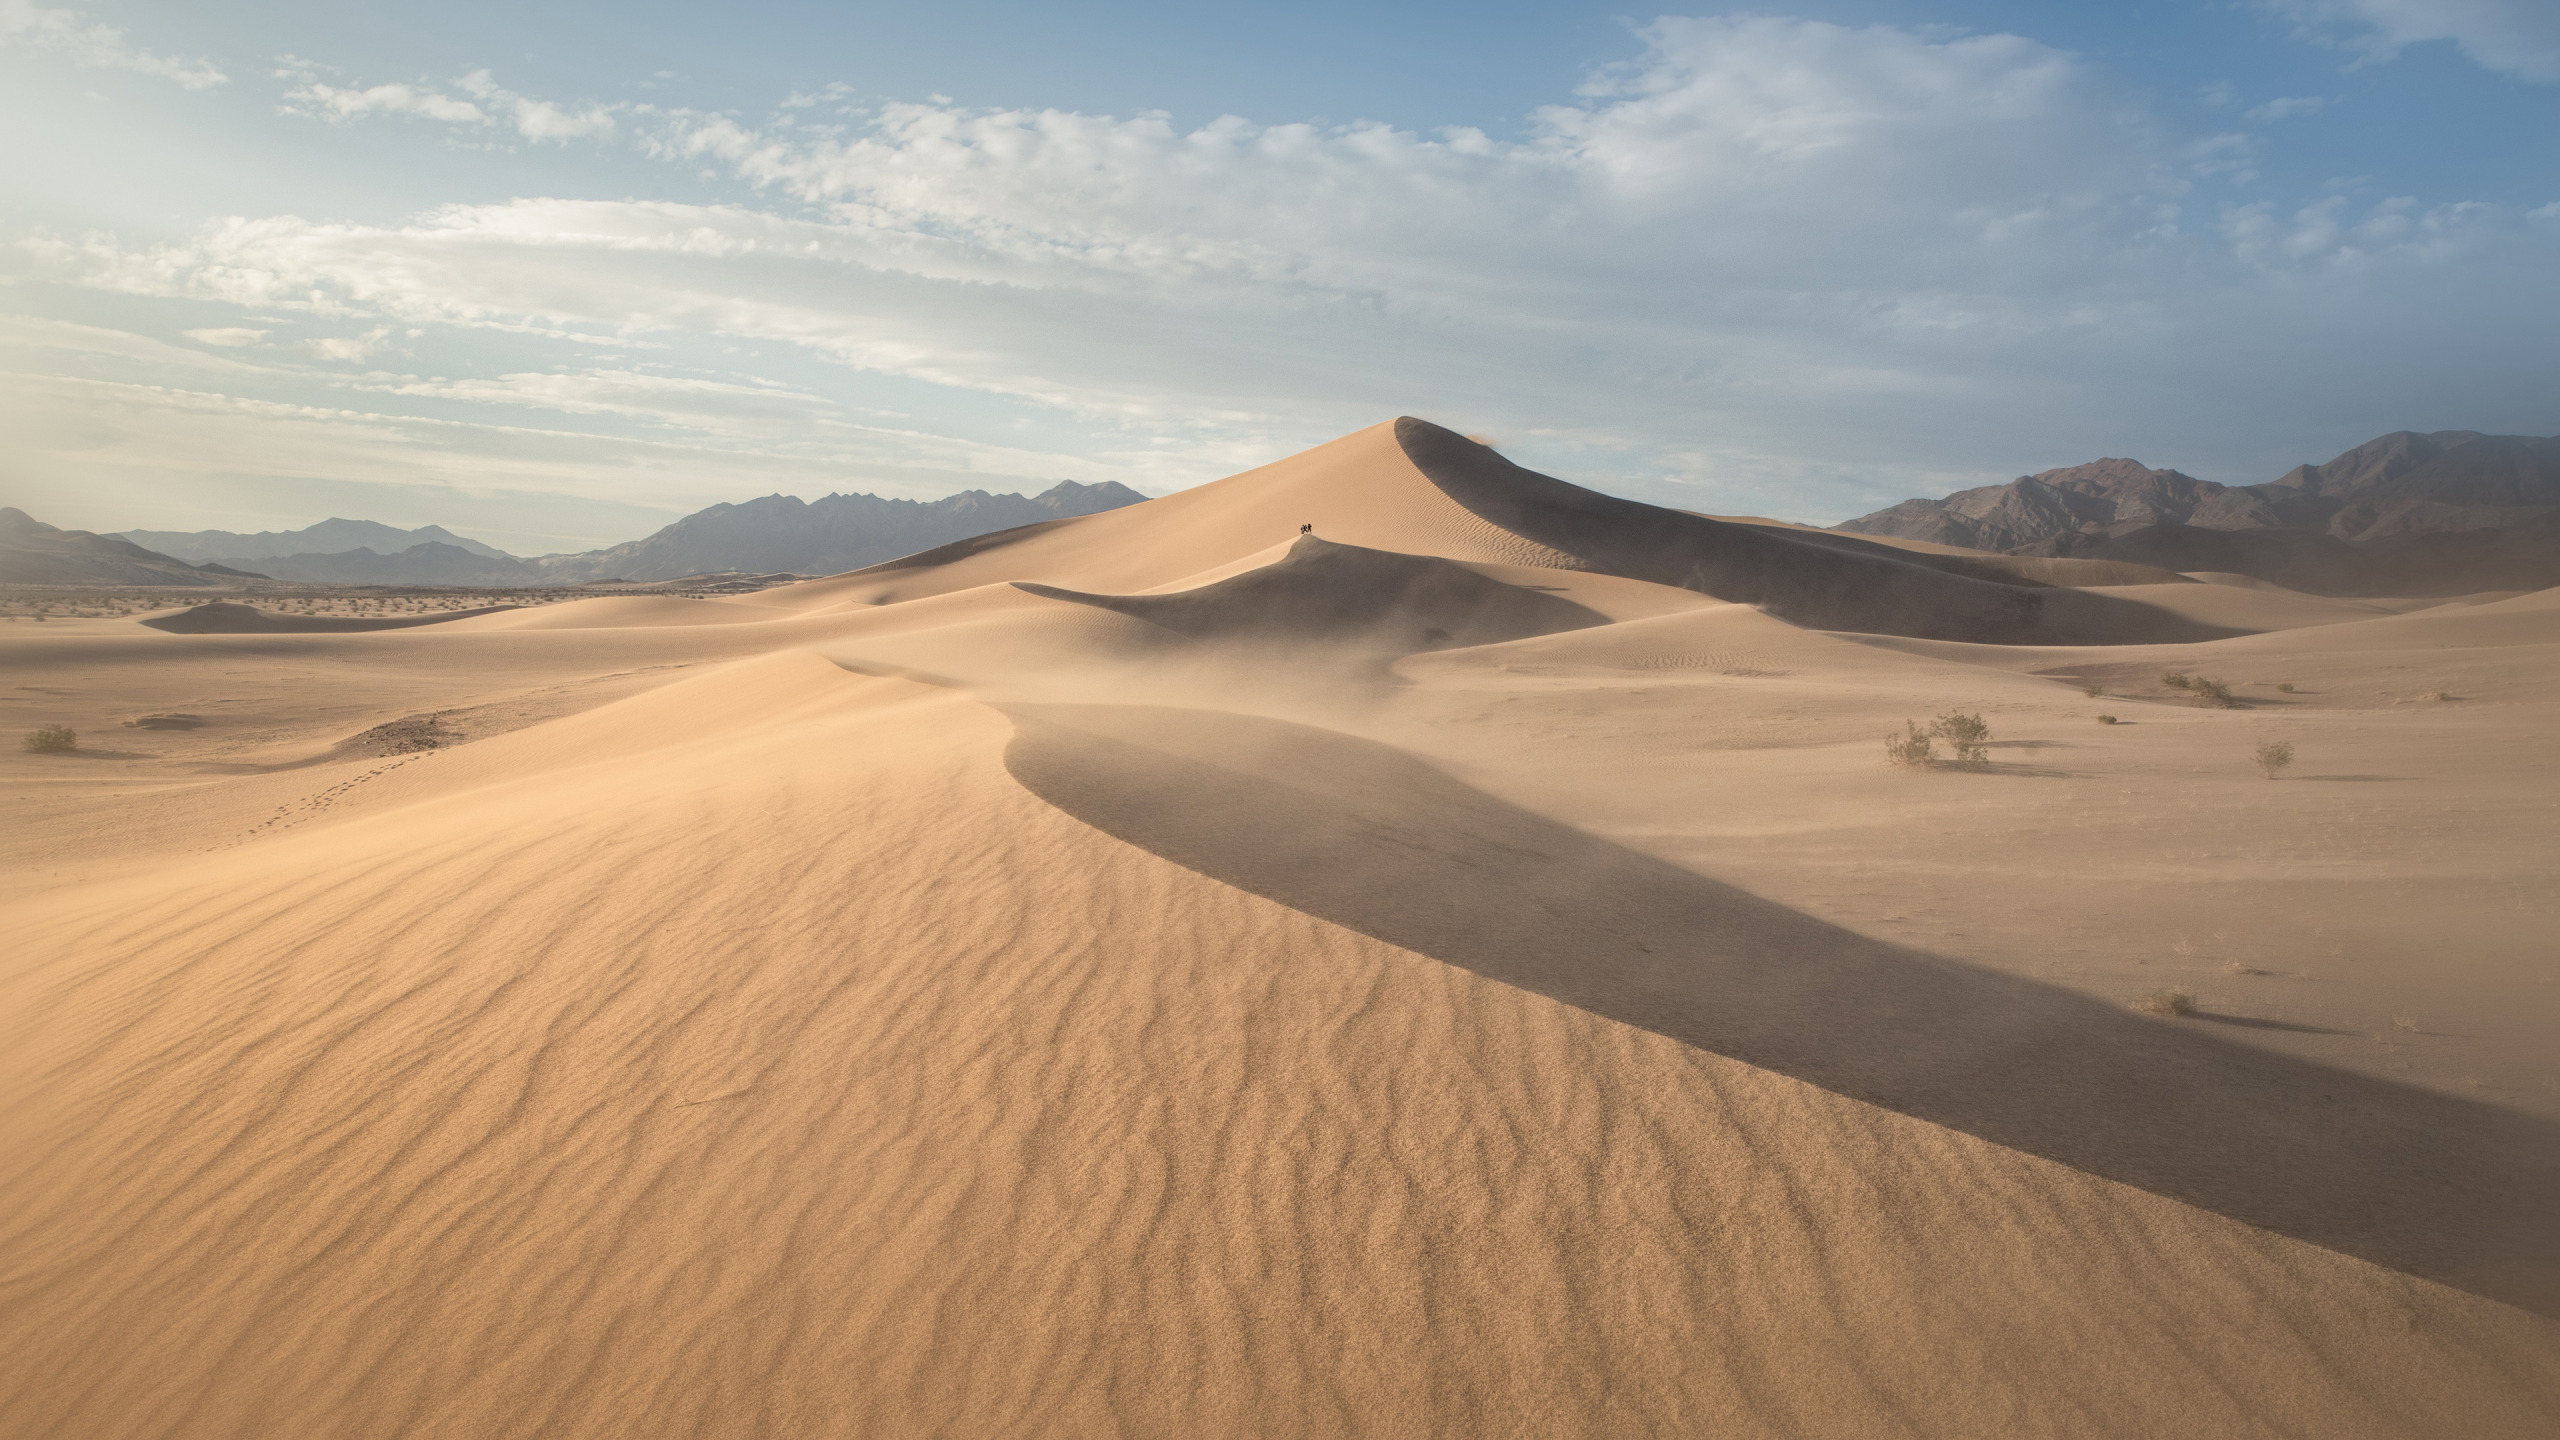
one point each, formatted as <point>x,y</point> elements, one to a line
<point>74,436</point>
<point>709,406</point>
<point>539,119</point>
<point>533,119</point>
<point>338,105</point>
<point>2287,107</point>
<point>2513,37</point>
<point>350,348</point>
<point>100,47</point>
<point>1884,255</point>
<point>227,336</point>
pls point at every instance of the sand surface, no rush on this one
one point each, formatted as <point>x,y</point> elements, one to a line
<point>1159,975</point>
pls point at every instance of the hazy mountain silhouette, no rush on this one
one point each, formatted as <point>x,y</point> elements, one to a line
<point>329,537</point>
<point>2412,513</point>
<point>827,536</point>
<point>34,553</point>
<point>776,533</point>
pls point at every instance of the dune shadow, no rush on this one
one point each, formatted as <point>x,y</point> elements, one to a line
<point>1370,838</point>
<point>2252,1022</point>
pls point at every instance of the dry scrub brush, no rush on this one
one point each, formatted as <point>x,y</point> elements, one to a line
<point>2167,1002</point>
<point>1969,737</point>
<point>2273,756</point>
<point>1912,747</point>
<point>51,739</point>
<point>2209,692</point>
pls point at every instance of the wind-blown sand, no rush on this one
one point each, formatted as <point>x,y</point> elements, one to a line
<point>1155,975</point>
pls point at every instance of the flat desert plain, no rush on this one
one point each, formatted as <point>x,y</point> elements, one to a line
<point>1465,970</point>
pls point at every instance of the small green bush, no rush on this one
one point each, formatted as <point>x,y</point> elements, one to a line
<point>1913,747</point>
<point>51,739</point>
<point>2176,680</point>
<point>1966,734</point>
<point>2212,693</point>
<point>2286,687</point>
<point>2273,755</point>
<point>2106,720</point>
<point>2093,691</point>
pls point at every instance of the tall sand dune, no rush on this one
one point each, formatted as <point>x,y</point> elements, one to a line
<point>1416,488</point>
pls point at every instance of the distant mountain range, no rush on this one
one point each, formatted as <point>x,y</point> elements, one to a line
<point>329,537</point>
<point>833,534</point>
<point>774,534</point>
<point>34,553</point>
<point>2406,513</point>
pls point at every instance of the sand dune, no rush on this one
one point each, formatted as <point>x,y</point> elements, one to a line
<point>1461,974</point>
<point>1346,600</point>
<point>226,617</point>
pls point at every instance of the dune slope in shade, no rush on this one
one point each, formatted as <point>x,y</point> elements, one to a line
<point>521,1110</point>
<point>1349,600</point>
<point>1369,838</point>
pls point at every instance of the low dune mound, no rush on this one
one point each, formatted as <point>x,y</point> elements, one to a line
<point>624,612</point>
<point>1813,584</point>
<point>1350,598</point>
<point>223,617</point>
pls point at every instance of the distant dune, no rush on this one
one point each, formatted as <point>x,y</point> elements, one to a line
<point>223,617</point>
<point>1388,943</point>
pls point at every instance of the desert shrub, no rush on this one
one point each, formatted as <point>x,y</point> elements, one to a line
<point>2273,755</point>
<point>2286,687</point>
<point>2093,691</point>
<point>51,739</point>
<point>2167,1002</point>
<point>1966,734</point>
<point>2106,719</point>
<point>2212,693</point>
<point>2176,680</point>
<point>1912,747</point>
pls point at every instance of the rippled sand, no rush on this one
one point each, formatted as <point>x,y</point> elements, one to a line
<point>921,1006</point>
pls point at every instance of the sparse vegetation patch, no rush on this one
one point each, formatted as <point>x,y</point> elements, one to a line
<point>51,739</point>
<point>2167,1002</point>
<point>1912,747</point>
<point>1966,734</point>
<point>2106,720</point>
<point>2273,756</point>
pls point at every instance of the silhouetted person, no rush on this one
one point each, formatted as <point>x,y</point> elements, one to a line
<point>1307,529</point>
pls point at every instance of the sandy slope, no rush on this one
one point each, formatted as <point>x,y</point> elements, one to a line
<point>915,1004</point>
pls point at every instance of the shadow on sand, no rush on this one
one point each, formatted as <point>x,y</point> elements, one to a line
<point>1372,839</point>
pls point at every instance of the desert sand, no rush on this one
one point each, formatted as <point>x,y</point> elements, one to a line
<point>1468,971</point>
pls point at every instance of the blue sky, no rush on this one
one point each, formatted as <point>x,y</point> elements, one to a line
<point>554,278</point>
